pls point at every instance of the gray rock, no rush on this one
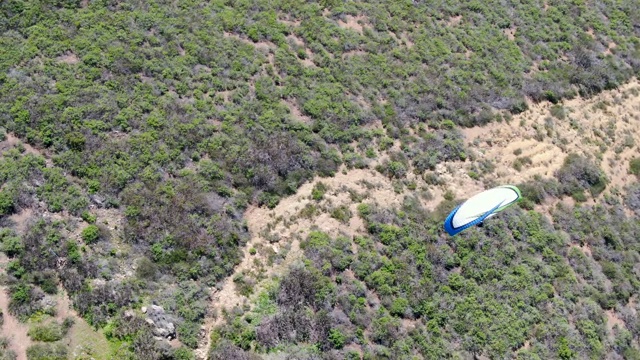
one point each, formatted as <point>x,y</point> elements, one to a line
<point>97,199</point>
<point>161,323</point>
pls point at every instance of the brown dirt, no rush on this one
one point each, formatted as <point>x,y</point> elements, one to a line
<point>351,53</point>
<point>586,248</point>
<point>613,320</point>
<point>454,20</point>
<point>308,61</point>
<point>20,220</point>
<point>589,135</point>
<point>549,205</point>
<point>69,58</point>
<point>296,113</point>
<point>632,304</point>
<point>292,228</point>
<point>524,347</point>
<point>289,22</point>
<point>511,32</point>
<point>82,339</point>
<point>12,141</point>
<point>295,40</point>
<point>225,94</point>
<point>356,23</point>
<point>610,47</point>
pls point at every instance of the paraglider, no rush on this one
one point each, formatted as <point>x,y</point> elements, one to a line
<point>481,207</point>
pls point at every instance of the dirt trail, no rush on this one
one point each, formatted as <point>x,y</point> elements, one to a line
<point>12,329</point>
<point>288,224</point>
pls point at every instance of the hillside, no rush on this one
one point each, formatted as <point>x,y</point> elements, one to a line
<point>274,175</point>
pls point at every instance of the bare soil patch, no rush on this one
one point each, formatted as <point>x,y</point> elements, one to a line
<point>307,61</point>
<point>454,20</point>
<point>510,32</point>
<point>296,113</point>
<point>295,40</point>
<point>20,220</point>
<point>585,248</point>
<point>604,127</point>
<point>613,320</point>
<point>264,45</point>
<point>356,23</point>
<point>12,141</point>
<point>351,53</point>
<point>290,22</point>
<point>69,58</point>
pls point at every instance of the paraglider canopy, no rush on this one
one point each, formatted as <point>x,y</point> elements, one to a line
<point>481,207</point>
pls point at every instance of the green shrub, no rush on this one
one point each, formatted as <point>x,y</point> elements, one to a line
<point>47,351</point>
<point>6,203</point>
<point>364,210</point>
<point>90,234</point>
<point>385,143</point>
<point>579,196</point>
<point>431,178</point>
<point>146,269</point>
<point>519,162</point>
<point>75,141</point>
<point>47,280</point>
<point>341,213</point>
<point>449,195</point>
<point>46,332</point>
<point>184,353</point>
<point>88,217</point>
<point>188,333</point>
<point>337,338</point>
<point>579,173</point>
<point>558,111</point>
<point>399,307</point>
<point>11,244</point>
<point>309,211</point>
<point>634,168</point>
<point>318,191</point>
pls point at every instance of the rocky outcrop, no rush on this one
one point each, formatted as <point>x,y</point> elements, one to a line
<point>160,322</point>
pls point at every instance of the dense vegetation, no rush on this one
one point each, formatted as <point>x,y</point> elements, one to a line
<point>408,291</point>
<point>180,114</point>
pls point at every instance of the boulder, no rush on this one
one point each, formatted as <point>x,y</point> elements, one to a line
<point>161,324</point>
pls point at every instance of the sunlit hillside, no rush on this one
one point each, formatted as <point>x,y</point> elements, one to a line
<point>268,179</point>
